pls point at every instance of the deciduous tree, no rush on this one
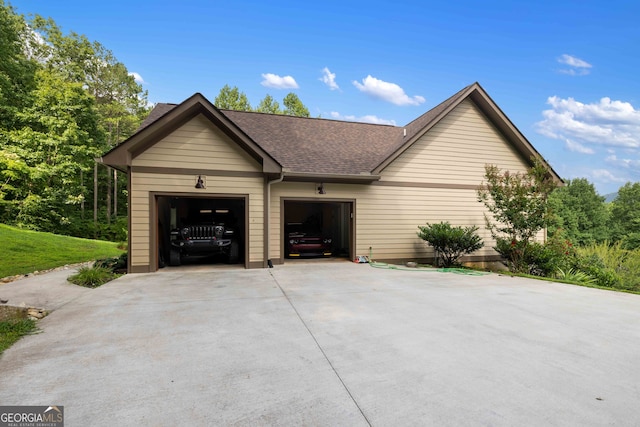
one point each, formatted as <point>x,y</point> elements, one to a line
<point>294,107</point>
<point>230,98</point>
<point>517,203</point>
<point>578,213</point>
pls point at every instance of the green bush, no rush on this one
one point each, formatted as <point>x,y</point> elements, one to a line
<point>450,243</point>
<point>115,264</point>
<point>612,265</point>
<point>535,258</point>
<point>92,277</point>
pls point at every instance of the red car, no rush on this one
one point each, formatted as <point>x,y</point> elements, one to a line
<point>306,243</point>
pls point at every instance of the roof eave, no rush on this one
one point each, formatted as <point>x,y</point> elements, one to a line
<point>510,131</point>
<point>360,178</point>
<point>122,155</point>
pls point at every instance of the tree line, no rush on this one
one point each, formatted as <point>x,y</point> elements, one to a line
<point>231,98</point>
<point>64,100</point>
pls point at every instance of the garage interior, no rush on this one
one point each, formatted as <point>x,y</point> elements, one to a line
<point>330,220</point>
<point>177,212</point>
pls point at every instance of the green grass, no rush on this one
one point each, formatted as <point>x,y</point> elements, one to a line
<point>12,330</point>
<point>25,251</point>
<point>92,277</point>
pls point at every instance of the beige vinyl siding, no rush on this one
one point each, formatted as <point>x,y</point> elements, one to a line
<point>455,151</point>
<point>198,144</point>
<point>145,183</point>
<point>387,218</point>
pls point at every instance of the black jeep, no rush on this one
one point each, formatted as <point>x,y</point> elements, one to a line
<point>209,237</point>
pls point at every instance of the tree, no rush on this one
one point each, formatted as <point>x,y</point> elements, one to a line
<point>57,143</point>
<point>517,203</point>
<point>16,70</point>
<point>625,215</point>
<point>450,243</point>
<point>578,213</point>
<point>294,107</point>
<point>269,105</point>
<point>232,99</point>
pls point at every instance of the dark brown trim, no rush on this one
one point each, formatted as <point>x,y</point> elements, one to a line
<point>352,221</point>
<point>140,269</point>
<point>123,154</point>
<point>153,220</point>
<point>440,185</point>
<point>187,171</point>
<point>330,178</point>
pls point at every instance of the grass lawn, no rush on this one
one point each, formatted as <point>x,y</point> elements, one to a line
<point>12,330</point>
<point>25,251</point>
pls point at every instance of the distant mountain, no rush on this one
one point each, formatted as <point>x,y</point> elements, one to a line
<point>608,198</point>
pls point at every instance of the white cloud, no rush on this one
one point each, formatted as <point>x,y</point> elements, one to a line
<point>386,91</point>
<point>578,67</point>
<point>362,119</point>
<point>605,123</point>
<point>329,79</point>
<point>277,82</point>
<point>573,61</point>
<point>578,148</point>
<point>603,175</point>
<point>632,164</point>
<point>137,77</point>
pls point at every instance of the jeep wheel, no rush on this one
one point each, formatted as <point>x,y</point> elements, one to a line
<point>174,257</point>
<point>234,253</point>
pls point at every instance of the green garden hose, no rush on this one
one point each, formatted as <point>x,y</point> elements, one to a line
<point>453,270</point>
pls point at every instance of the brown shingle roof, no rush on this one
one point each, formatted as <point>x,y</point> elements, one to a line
<point>318,145</point>
<point>158,111</point>
<point>329,147</point>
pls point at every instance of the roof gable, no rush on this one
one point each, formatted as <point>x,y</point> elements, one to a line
<point>166,118</point>
<point>418,127</point>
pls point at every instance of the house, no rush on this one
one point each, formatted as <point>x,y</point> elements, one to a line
<point>367,186</point>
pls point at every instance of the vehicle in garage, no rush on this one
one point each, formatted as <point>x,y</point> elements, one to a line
<point>211,235</point>
<point>304,241</point>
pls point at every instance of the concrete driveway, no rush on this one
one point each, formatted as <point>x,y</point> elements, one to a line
<point>333,344</point>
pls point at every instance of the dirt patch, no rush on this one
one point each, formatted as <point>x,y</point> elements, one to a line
<point>9,312</point>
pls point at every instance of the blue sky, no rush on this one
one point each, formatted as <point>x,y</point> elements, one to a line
<point>565,72</point>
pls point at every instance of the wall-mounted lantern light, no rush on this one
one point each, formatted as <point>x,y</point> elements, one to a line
<point>201,182</point>
<point>321,189</point>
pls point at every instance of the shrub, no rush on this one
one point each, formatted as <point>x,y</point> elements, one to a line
<point>450,243</point>
<point>575,276</point>
<point>612,265</point>
<point>535,258</point>
<point>115,264</point>
<point>92,277</point>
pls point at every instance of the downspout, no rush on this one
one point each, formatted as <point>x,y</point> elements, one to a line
<point>268,218</point>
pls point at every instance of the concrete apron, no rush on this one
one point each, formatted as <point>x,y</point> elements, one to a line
<point>333,344</point>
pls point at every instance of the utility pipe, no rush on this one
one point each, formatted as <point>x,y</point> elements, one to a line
<point>268,218</point>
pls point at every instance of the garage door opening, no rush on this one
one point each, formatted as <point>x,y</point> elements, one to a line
<point>201,230</point>
<point>314,229</point>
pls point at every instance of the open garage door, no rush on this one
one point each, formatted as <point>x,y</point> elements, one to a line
<point>201,230</point>
<point>317,229</point>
